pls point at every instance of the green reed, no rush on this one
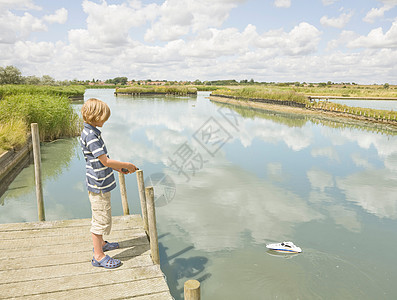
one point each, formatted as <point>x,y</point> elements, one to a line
<point>166,90</point>
<point>72,91</point>
<point>54,115</point>
<point>262,93</point>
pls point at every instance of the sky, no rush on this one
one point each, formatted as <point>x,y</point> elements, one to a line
<point>265,40</point>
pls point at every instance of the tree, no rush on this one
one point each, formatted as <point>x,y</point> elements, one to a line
<point>120,80</point>
<point>386,86</point>
<point>10,75</point>
<point>47,80</point>
<point>32,80</point>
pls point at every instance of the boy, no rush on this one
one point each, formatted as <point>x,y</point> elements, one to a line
<point>100,179</point>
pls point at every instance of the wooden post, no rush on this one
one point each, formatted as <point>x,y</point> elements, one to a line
<point>192,290</point>
<point>142,197</point>
<point>37,170</point>
<point>154,244</point>
<point>123,192</point>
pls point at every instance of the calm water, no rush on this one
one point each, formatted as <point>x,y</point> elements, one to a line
<point>242,179</point>
<point>374,104</point>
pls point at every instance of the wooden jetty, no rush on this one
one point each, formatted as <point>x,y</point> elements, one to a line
<point>52,260</point>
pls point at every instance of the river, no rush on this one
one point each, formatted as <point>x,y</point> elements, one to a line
<point>229,181</point>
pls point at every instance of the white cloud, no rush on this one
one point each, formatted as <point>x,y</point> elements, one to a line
<point>213,42</point>
<point>14,27</point>
<point>177,18</point>
<point>302,39</point>
<point>35,52</point>
<point>320,179</point>
<point>282,3</point>
<point>338,22</point>
<point>376,13</point>
<point>361,161</point>
<point>18,4</point>
<point>377,39</point>
<point>345,217</point>
<point>329,2</point>
<point>60,16</point>
<point>389,2</point>
<point>109,25</point>
<point>328,152</point>
<point>373,190</point>
<point>344,38</point>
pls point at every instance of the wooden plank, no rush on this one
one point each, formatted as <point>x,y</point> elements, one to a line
<point>66,223</point>
<point>71,269</point>
<point>53,259</point>
<point>64,239</point>
<point>66,249</point>
<point>109,291</point>
<point>157,296</point>
<point>53,232</point>
<point>72,282</point>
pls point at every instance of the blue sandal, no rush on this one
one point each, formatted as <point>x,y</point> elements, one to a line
<point>110,246</point>
<point>107,262</point>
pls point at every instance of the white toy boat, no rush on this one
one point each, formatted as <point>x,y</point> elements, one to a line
<point>284,247</point>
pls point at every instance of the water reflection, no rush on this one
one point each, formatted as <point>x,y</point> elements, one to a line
<point>19,200</point>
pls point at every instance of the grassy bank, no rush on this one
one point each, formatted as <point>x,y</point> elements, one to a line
<point>348,91</point>
<point>262,93</point>
<point>71,91</point>
<point>161,90</point>
<point>53,113</point>
<point>299,95</point>
<point>376,114</point>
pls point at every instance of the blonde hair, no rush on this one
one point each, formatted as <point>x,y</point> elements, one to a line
<point>95,110</point>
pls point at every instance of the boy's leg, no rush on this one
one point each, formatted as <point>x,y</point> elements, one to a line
<point>101,221</point>
<point>98,242</point>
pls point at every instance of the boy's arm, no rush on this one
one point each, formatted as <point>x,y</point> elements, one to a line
<point>117,165</point>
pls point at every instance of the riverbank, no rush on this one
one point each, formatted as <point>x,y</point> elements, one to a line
<point>156,90</point>
<point>315,112</point>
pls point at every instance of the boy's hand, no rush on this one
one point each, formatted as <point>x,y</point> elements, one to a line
<point>131,169</point>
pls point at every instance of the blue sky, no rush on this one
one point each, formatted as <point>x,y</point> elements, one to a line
<point>268,40</point>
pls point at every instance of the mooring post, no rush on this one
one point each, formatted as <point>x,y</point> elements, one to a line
<point>154,244</point>
<point>192,290</point>
<point>37,170</point>
<point>123,192</point>
<point>142,197</point>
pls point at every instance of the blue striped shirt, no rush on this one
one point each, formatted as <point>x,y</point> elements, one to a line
<point>99,178</point>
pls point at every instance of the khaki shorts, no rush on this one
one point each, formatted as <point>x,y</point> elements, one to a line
<point>101,222</point>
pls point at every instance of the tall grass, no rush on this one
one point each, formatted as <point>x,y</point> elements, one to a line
<point>71,91</point>
<point>170,90</point>
<point>377,114</point>
<point>12,134</point>
<point>262,93</point>
<point>54,115</point>
<point>346,91</point>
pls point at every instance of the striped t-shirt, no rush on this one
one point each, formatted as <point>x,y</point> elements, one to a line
<point>98,177</point>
